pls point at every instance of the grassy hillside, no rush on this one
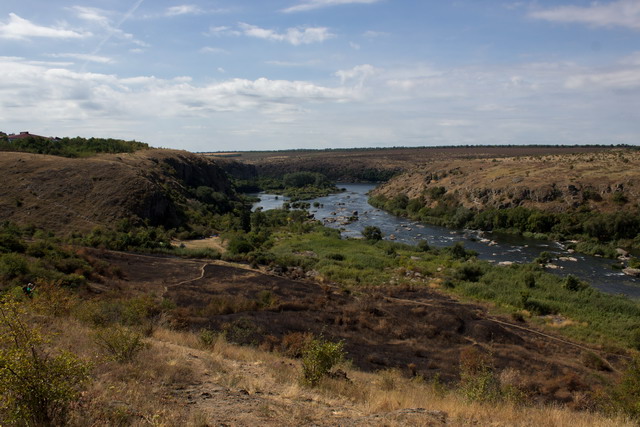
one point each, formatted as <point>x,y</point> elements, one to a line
<point>156,187</point>
<point>593,197</point>
<point>380,164</point>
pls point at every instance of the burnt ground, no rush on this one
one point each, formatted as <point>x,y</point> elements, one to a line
<point>419,331</point>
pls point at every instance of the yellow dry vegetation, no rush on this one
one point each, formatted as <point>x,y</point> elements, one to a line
<point>178,380</point>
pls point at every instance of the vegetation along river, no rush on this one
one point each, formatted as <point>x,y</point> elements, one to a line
<point>334,210</point>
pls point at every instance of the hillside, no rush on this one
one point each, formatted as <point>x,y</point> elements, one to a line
<point>553,182</point>
<point>64,194</point>
<point>379,164</point>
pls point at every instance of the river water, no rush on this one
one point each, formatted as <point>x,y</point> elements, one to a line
<point>492,247</point>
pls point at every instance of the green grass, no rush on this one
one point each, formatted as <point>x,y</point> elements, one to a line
<point>525,289</point>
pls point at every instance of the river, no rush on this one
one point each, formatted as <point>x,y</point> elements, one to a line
<point>492,247</point>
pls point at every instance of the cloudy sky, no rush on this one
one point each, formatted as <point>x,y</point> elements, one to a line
<point>219,75</point>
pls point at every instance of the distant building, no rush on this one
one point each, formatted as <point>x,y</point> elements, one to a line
<point>14,137</point>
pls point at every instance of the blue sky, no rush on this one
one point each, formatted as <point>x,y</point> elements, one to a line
<point>225,75</point>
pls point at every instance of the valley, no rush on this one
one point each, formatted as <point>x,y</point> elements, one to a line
<point>160,244</point>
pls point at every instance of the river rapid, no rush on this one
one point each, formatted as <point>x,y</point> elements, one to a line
<point>335,209</point>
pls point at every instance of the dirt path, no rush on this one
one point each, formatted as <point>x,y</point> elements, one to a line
<point>257,398</point>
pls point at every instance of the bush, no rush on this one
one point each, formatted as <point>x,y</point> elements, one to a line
<point>477,379</point>
<point>239,245</point>
<point>572,283</point>
<point>207,337</point>
<point>424,246</point>
<point>122,344</point>
<point>625,397</point>
<point>318,358</point>
<point>36,387</point>
<point>372,233</point>
<point>12,266</point>
<point>469,272</point>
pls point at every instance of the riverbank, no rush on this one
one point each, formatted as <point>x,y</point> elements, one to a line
<point>493,247</point>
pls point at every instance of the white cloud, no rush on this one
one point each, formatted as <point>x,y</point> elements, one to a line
<point>618,79</point>
<point>83,57</point>
<point>295,36</point>
<point>358,74</point>
<point>103,19</point>
<point>58,94</point>
<point>620,13</point>
<point>91,14</point>
<point>18,28</point>
<point>354,46</point>
<point>184,9</point>
<point>318,4</point>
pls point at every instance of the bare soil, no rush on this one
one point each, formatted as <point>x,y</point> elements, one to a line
<point>420,331</point>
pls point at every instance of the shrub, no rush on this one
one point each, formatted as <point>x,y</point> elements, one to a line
<point>458,251</point>
<point>318,358</point>
<point>477,379</point>
<point>530,280</point>
<point>36,387</point>
<point>544,258</point>
<point>12,266</point>
<point>572,283</point>
<point>372,233</point>
<point>625,396</point>
<point>469,272</point>
<point>424,246</point>
<point>121,343</point>
<point>207,337</point>
<point>239,245</point>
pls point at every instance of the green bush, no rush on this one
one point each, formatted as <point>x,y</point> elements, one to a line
<point>478,382</point>
<point>372,233</point>
<point>36,387</point>
<point>121,343</point>
<point>207,337</point>
<point>318,358</point>
<point>469,272</point>
<point>239,245</point>
<point>572,283</point>
<point>12,266</point>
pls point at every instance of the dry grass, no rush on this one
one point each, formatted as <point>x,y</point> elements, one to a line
<point>180,381</point>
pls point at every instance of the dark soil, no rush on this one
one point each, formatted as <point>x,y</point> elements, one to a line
<point>419,331</point>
